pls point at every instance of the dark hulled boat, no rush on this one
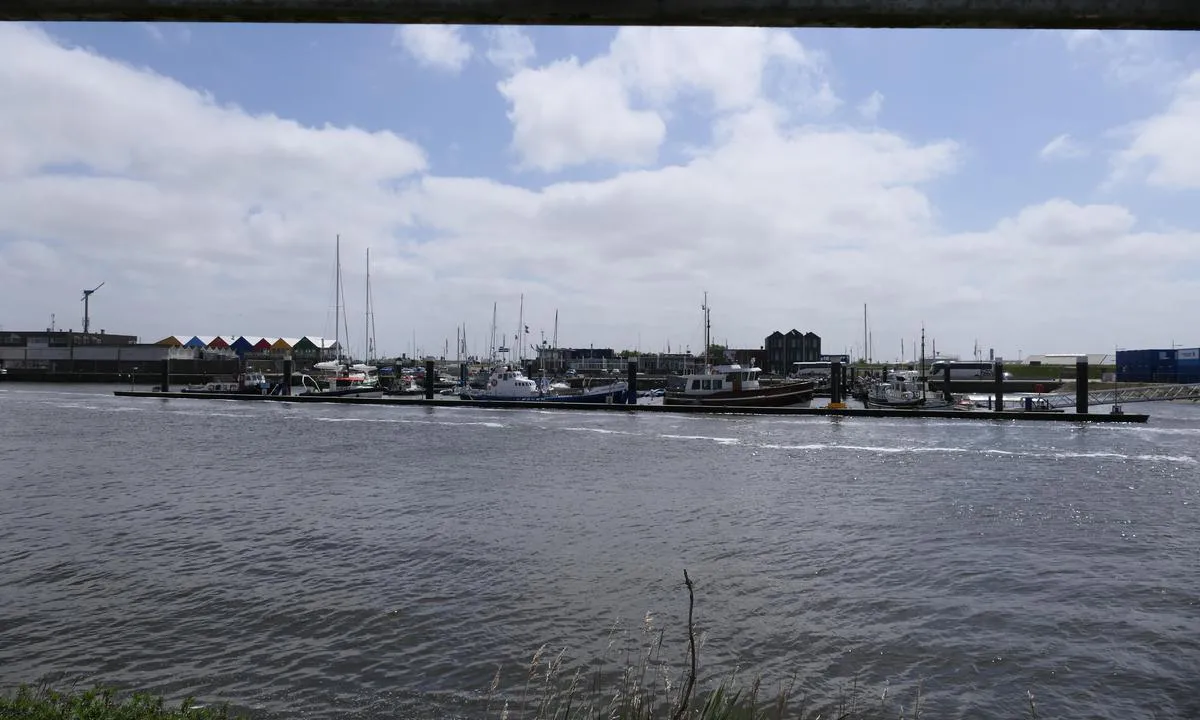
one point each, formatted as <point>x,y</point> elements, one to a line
<point>735,386</point>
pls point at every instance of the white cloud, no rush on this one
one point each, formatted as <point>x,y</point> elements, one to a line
<point>1128,57</point>
<point>436,46</point>
<point>203,218</point>
<point>509,48</point>
<point>871,107</point>
<point>1165,148</point>
<point>568,114</point>
<point>615,107</point>
<point>1062,147</point>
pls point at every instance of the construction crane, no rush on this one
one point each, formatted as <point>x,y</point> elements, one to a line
<point>87,294</point>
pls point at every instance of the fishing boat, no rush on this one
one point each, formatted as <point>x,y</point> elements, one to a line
<point>508,383</point>
<point>735,386</point>
<point>902,390</point>
<point>251,382</point>
<point>731,385</point>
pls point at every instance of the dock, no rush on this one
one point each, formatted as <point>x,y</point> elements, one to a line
<point>449,402</point>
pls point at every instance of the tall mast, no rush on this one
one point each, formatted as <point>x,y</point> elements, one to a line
<point>924,380</point>
<point>342,296</point>
<point>521,331</point>
<point>337,296</point>
<point>370,316</point>
<point>492,359</point>
<point>866,348</point>
<point>707,327</point>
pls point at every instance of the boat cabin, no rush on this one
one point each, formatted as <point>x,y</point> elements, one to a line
<point>720,378</point>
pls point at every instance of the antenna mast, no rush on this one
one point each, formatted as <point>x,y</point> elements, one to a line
<point>87,318</point>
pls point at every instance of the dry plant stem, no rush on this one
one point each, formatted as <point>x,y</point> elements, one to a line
<point>691,680</point>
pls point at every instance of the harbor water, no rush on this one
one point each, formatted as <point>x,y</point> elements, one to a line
<point>330,561</point>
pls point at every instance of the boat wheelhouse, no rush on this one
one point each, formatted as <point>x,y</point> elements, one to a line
<point>735,385</point>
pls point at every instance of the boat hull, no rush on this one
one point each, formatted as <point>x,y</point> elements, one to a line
<point>916,404</point>
<point>374,392</point>
<point>770,396</point>
<point>615,396</point>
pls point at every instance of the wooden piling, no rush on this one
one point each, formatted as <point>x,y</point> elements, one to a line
<point>631,379</point>
<point>1081,385</point>
<point>287,376</point>
<point>998,379</point>
<point>430,377</point>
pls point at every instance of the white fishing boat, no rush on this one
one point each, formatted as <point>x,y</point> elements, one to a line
<point>509,383</point>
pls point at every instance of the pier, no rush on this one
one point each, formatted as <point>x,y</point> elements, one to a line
<point>641,407</point>
<point>1122,396</point>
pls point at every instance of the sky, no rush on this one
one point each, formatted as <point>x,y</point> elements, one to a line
<point>1029,191</point>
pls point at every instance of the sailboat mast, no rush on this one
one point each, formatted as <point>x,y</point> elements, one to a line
<point>337,296</point>
<point>707,326</point>
<point>492,358</point>
<point>866,350</point>
<point>520,339</point>
<point>367,334</point>
<point>924,380</point>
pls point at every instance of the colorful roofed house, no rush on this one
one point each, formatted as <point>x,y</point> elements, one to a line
<point>198,342</point>
<point>284,346</point>
<point>171,341</point>
<point>218,343</point>
<point>313,348</point>
<point>242,345</point>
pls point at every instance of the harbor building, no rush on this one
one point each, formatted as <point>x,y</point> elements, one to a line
<point>783,349</point>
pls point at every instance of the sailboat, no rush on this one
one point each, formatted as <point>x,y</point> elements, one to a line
<point>732,385</point>
<point>340,376</point>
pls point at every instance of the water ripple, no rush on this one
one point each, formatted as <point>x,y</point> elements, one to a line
<point>339,561</point>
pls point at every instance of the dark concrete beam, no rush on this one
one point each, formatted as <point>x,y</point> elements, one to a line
<point>1104,14</point>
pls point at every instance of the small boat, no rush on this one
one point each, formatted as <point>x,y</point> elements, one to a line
<point>251,382</point>
<point>342,379</point>
<point>735,386</point>
<point>902,390</point>
<point>508,383</point>
<point>1039,405</point>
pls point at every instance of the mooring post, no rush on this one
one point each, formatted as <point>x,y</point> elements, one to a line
<point>1081,385</point>
<point>287,376</point>
<point>998,379</point>
<point>835,386</point>
<point>430,376</point>
<point>164,384</point>
<point>946,383</point>
<point>632,391</point>
<point>462,374</point>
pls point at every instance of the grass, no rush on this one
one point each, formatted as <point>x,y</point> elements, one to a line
<point>43,703</point>
<point>643,688</point>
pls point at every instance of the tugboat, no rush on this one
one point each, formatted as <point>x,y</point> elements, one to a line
<point>732,385</point>
<point>735,386</point>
